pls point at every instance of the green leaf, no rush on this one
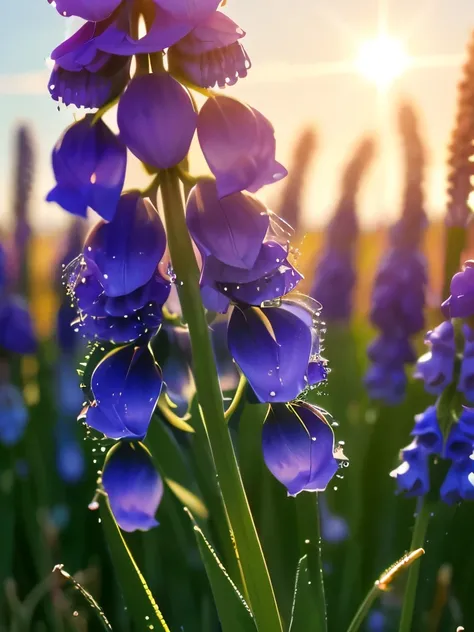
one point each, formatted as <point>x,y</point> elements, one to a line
<point>141,605</point>
<point>171,462</point>
<point>234,613</point>
<point>188,499</point>
<point>96,609</point>
<point>304,616</point>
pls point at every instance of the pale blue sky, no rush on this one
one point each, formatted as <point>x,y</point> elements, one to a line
<point>288,42</point>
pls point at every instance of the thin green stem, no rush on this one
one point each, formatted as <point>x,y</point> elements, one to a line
<point>364,608</point>
<point>143,609</point>
<point>309,533</point>
<point>417,541</point>
<point>382,585</point>
<point>256,576</point>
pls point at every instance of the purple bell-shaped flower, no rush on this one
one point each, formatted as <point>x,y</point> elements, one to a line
<point>412,475</point>
<point>239,146</point>
<point>272,347</point>
<point>126,385</point>
<point>83,75</point>
<point>298,447</point>
<point>436,367</point>
<point>459,482</point>
<point>89,164</point>
<point>427,431</point>
<point>460,303</point>
<point>211,54</point>
<point>157,120</point>
<point>123,254</point>
<point>133,486</point>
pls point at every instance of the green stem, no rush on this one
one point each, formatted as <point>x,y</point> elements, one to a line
<point>142,608</point>
<point>417,541</point>
<point>309,533</point>
<point>364,608</point>
<point>256,576</point>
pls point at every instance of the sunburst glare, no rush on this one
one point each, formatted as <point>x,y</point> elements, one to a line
<point>382,60</point>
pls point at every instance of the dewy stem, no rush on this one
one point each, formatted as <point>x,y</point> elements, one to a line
<point>256,576</point>
<point>418,538</point>
<point>309,533</point>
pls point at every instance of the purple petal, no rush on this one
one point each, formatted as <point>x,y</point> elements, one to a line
<point>93,10</point>
<point>125,252</point>
<point>89,164</point>
<point>275,285</point>
<point>211,54</point>
<point>213,300</point>
<point>157,120</point>
<point>270,258</point>
<point>298,448</point>
<point>69,199</point>
<point>412,475</point>
<point>163,33</point>
<point>231,229</point>
<point>458,484</point>
<point>192,11</point>
<point>238,144</point>
<point>458,444</point>
<point>126,385</point>
<point>90,89</point>
<point>80,52</point>
<point>323,464</point>
<point>272,347</point>
<point>133,486</point>
<point>217,31</point>
<point>427,431</point>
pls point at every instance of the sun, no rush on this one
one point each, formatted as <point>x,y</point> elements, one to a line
<point>382,60</point>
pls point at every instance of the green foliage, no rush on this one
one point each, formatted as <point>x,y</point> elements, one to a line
<point>234,613</point>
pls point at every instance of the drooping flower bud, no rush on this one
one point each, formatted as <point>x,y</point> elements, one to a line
<point>126,385</point>
<point>231,229</point>
<point>239,146</point>
<point>298,447</point>
<point>89,164</point>
<point>133,486</point>
<point>412,475</point>
<point>459,482</point>
<point>460,303</point>
<point>436,367</point>
<point>273,347</point>
<point>124,253</point>
<point>427,432</point>
<point>157,120</point>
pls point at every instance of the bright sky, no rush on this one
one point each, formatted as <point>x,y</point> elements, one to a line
<point>297,50</point>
